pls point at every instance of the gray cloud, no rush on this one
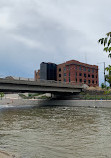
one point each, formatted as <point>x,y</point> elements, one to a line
<point>32,31</point>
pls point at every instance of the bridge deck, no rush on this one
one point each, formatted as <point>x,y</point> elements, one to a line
<point>37,86</point>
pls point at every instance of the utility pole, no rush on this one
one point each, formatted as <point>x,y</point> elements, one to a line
<point>104,75</point>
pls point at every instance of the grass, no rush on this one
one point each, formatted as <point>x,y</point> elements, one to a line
<point>95,97</point>
<point>30,96</point>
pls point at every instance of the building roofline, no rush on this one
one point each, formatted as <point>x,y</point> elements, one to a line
<point>75,62</point>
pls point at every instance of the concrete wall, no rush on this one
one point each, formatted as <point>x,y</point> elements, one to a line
<point>75,103</point>
<point>78,103</point>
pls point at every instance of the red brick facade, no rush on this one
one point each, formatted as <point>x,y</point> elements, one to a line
<point>36,75</point>
<point>75,72</point>
<point>60,72</point>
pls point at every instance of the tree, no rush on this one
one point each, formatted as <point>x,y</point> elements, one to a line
<point>106,42</point>
<point>108,76</point>
<point>1,95</point>
<point>103,85</point>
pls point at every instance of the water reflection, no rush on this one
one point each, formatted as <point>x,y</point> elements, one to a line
<point>65,132</point>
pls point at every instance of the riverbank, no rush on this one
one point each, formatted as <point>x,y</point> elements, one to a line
<point>4,154</point>
<point>41,102</point>
<point>79,103</point>
<point>17,102</point>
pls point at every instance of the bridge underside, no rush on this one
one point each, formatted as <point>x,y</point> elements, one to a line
<point>64,96</point>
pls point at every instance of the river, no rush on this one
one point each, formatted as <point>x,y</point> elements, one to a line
<point>56,132</point>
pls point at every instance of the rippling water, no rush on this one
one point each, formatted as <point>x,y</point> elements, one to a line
<point>56,132</point>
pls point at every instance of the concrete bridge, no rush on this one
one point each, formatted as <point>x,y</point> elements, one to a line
<point>22,86</point>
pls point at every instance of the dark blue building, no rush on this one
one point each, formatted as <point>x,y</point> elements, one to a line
<point>48,71</point>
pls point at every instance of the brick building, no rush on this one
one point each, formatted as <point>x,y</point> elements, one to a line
<point>36,75</point>
<point>76,72</point>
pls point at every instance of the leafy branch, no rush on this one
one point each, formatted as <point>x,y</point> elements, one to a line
<point>106,42</point>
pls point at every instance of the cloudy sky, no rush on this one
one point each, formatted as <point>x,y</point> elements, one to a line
<point>32,31</point>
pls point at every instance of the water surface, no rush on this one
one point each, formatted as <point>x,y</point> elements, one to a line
<point>56,132</point>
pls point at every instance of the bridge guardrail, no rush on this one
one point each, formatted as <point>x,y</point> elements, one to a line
<point>52,82</point>
<point>58,82</point>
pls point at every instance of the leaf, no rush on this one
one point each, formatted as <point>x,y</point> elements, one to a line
<point>105,41</point>
<point>102,40</point>
<point>99,40</point>
<point>107,68</point>
<point>109,49</point>
<point>109,42</point>
<point>109,55</point>
<point>106,49</point>
<point>108,34</point>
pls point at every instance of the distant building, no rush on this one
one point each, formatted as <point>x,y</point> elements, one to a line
<point>36,75</point>
<point>48,71</point>
<point>71,71</point>
<point>76,72</point>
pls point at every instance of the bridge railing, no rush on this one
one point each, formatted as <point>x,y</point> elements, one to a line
<point>59,83</point>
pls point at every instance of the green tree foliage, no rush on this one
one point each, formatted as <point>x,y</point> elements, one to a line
<point>108,76</point>
<point>106,41</point>
<point>103,85</point>
<point>1,95</point>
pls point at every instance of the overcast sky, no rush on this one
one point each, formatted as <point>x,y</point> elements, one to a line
<point>32,31</point>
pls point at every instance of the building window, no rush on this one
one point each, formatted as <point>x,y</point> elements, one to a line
<point>88,69</point>
<point>96,76</point>
<point>85,75</point>
<point>64,80</point>
<point>64,68</point>
<point>69,67</point>
<point>88,75</point>
<point>88,81</point>
<point>76,67</point>
<point>80,74</point>
<point>64,74</point>
<point>69,73</point>
<point>92,81</point>
<point>80,68</point>
<point>59,80</point>
<point>76,73</point>
<point>69,79</point>
<point>84,69</point>
<point>76,79</point>
<point>92,76</point>
<point>80,80</point>
<point>92,70</point>
<point>96,82</point>
<point>59,69</point>
<point>84,81</point>
<point>59,75</point>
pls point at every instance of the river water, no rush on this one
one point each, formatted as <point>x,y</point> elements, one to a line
<point>56,132</point>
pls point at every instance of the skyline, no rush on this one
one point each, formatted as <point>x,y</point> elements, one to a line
<point>34,31</point>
